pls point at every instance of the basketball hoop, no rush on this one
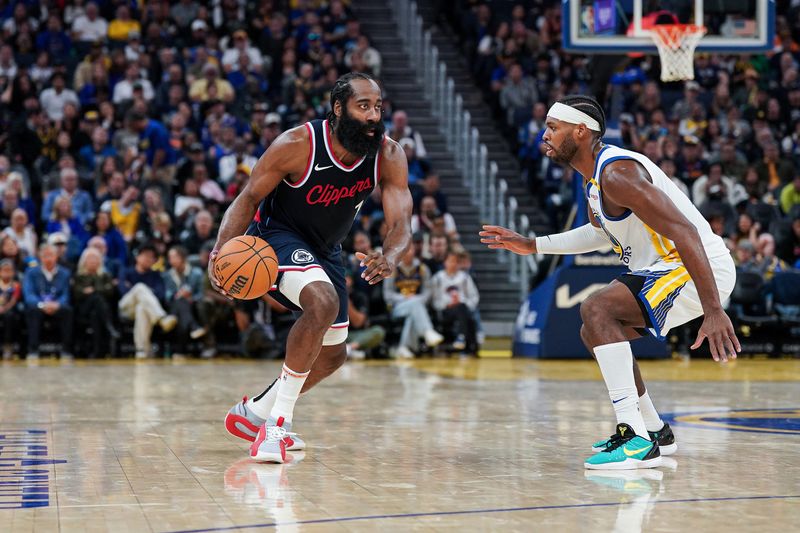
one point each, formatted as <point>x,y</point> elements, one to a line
<point>676,44</point>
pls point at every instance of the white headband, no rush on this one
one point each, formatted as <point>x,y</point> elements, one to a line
<point>569,114</point>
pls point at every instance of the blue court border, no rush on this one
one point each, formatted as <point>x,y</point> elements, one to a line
<point>483,511</point>
<point>671,418</point>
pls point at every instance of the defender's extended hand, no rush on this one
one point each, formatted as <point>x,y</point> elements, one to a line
<point>722,341</point>
<point>499,238</point>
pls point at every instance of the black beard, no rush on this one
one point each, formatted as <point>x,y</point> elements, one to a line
<point>564,155</point>
<point>352,133</point>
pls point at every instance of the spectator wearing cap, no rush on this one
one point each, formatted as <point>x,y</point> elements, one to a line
<point>55,97</point>
<point>89,27</point>
<point>153,143</point>
<point>46,291</point>
<point>773,170</point>
<point>790,195</point>
<point>124,89</point>
<point>122,25</point>
<point>690,162</point>
<point>401,130</point>
<point>683,107</point>
<point>229,164</point>
<point>238,182</point>
<point>142,290</point>
<point>241,46</point>
<point>211,86</point>
<point>92,154</point>
<point>10,307</point>
<point>80,200</point>
<point>272,129</point>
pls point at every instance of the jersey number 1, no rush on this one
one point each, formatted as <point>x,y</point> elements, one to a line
<point>358,208</point>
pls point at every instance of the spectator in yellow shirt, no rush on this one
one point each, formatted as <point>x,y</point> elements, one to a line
<point>790,194</point>
<point>121,26</point>
<point>211,87</point>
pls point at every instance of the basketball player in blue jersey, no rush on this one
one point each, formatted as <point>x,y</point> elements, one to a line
<point>679,270</point>
<point>302,198</point>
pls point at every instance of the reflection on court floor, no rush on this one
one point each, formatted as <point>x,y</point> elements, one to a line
<point>430,445</point>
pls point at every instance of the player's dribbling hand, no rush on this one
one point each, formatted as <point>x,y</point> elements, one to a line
<point>378,267</point>
<point>212,275</point>
<point>722,341</point>
<point>499,238</point>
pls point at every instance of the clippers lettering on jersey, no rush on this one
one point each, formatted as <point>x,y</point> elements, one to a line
<point>328,194</point>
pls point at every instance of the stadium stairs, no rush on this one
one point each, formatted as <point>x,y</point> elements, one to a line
<point>499,298</point>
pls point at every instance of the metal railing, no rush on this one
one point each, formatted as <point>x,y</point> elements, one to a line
<point>488,194</point>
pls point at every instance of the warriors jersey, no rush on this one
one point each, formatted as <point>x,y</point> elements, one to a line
<point>321,206</point>
<point>637,245</point>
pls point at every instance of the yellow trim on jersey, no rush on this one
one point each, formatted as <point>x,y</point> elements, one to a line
<point>663,246</point>
<point>662,288</point>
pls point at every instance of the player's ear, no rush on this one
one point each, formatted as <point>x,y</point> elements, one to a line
<point>337,108</point>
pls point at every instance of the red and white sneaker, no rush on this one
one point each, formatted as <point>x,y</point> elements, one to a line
<point>273,441</point>
<point>243,423</point>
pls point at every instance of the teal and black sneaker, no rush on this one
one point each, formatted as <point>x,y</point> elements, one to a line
<point>664,437</point>
<point>627,452</point>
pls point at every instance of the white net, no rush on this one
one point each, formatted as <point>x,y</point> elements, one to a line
<point>676,44</point>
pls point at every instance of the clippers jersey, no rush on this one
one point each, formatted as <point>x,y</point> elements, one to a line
<point>636,244</point>
<point>322,206</point>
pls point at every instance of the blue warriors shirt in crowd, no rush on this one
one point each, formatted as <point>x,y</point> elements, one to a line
<point>322,205</point>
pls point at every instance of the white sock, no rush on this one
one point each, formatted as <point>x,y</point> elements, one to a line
<point>262,404</point>
<point>288,387</point>
<point>649,413</point>
<point>616,365</point>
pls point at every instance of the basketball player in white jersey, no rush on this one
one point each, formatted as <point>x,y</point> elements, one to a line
<point>679,270</point>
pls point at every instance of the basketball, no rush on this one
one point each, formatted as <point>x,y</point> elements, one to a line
<point>246,267</point>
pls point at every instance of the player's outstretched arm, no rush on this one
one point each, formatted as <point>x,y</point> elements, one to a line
<point>586,238</point>
<point>499,238</point>
<point>626,183</point>
<point>287,156</point>
<point>397,205</point>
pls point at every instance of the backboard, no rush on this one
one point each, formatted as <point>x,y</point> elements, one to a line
<point>621,26</point>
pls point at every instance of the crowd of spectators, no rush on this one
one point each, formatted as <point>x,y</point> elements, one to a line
<point>730,138</point>
<point>128,128</point>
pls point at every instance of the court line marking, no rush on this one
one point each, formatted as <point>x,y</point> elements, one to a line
<point>480,511</point>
